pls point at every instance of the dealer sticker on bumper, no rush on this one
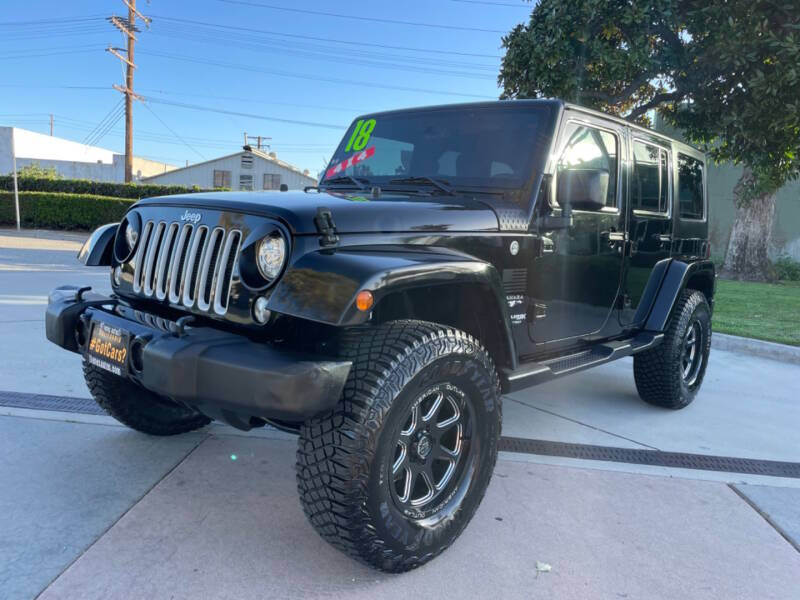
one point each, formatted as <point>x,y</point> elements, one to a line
<point>108,348</point>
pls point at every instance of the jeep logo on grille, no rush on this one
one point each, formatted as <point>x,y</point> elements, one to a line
<point>191,217</point>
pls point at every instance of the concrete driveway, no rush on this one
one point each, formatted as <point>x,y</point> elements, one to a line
<point>89,509</point>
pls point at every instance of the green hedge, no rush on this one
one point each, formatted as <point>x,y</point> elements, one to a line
<point>47,210</point>
<point>96,188</point>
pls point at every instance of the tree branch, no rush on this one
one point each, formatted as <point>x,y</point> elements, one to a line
<point>657,100</point>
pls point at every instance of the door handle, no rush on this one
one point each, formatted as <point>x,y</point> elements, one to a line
<point>664,237</point>
<point>615,236</point>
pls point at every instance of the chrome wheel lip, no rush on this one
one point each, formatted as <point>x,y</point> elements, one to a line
<point>692,354</point>
<point>425,438</point>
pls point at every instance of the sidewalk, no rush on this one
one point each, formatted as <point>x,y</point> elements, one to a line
<point>137,526</point>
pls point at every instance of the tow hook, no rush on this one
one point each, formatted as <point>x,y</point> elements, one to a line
<point>180,325</point>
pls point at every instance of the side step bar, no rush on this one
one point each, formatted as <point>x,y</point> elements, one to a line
<point>534,373</point>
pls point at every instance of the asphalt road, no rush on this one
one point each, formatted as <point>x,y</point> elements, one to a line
<point>89,509</point>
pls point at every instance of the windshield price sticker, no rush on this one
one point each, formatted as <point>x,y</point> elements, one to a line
<point>351,161</point>
<point>360,137</point>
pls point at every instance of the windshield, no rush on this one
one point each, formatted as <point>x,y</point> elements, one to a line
<point>491,147</point>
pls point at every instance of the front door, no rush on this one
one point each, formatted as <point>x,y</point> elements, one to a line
<point>649,216</point>
<point>575,281</point>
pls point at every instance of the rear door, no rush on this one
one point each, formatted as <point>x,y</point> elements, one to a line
<point>649,212</point>
<point>574,284</point>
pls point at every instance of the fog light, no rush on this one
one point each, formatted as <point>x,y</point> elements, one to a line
<point>117,275</point>
<point>260,312</point>
<point>137,354</point>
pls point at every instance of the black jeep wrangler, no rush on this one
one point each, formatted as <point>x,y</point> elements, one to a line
<point>449,254</point>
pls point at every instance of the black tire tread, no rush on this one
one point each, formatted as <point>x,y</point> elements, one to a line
<point>139,408</point>
<point>334,451</point>
<point>655,370</point>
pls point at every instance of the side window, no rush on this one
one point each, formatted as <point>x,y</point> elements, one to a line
<point>589,162</point>
<point>690,187</point>
<point>246,182</point>
<point>650,185</point>
<point>272,181</point>
<point>222,179</point>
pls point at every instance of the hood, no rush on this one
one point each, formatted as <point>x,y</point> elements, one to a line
<point>351,213</point>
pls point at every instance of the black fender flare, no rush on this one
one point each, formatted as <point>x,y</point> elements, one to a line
<point>97,250</point>
<point>667,281</point>
<point>322,285</point>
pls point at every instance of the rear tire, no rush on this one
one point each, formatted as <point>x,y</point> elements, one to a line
<point>393,474</point>
<point>670,374</point>
<point>138,408</point>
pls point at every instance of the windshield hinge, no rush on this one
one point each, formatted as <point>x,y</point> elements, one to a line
<point>326,227</point>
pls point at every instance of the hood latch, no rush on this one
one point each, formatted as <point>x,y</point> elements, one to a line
<point>326,227</point>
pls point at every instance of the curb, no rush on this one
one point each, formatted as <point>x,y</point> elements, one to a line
<point>734,343</point>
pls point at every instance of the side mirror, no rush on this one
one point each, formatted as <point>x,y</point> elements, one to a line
<point>584,189</point>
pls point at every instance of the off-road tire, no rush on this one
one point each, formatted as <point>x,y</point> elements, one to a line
<point>344,457</point>
<point>659,372</point>
<point>138,408</point>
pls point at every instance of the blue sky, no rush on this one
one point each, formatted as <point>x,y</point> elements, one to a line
<point>257,58</point>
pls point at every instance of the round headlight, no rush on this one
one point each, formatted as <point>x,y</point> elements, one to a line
<point>131,235</point>
<point>270,256</point>
<point>127,237</point>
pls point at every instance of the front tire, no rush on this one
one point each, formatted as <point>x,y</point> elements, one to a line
<point>393,474</point>
<point>670,374</point>
<point>138,408</point>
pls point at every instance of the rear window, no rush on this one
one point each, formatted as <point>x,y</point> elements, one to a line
<point>691,196</point>
<point>650,187</point>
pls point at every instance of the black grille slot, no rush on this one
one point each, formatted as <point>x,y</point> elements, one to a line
<point>202,233</point>
<point>151,283</point>
<point>216,243</point>
<point>228,273</point>
<point>177,278</point>
<point>142,254</point>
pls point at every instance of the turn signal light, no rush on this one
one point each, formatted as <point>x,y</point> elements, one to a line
<point>364,300</point>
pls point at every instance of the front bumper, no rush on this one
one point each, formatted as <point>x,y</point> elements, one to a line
<point>224,375</point>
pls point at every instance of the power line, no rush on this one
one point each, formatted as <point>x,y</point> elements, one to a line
<point>241,114</point>
<point>192,148</point>
<point>331,56</point>
<point>488,3</point>
<point>350,82</point>
<point>358,44</point>
<point>43,54</point>
<point>108,118</point>
<point>97,17</point>
<point>107,128</point>
<point>359,18</point>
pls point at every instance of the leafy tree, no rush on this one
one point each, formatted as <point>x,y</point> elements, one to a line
<point>36,171</point>
<point>726,72</point>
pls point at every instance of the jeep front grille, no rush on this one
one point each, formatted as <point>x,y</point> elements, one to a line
<point>190,265</point>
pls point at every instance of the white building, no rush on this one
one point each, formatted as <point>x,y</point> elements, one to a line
<point>71,160</point>
<point>248,169</point>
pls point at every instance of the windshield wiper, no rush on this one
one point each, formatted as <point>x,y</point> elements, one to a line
<point>441,185</point>
<point>346,179</point>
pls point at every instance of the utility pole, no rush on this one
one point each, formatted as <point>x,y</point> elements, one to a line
<point>14,165</point>
<point>51,125</point>
<point>260,140</point>
<point>129,29</point>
